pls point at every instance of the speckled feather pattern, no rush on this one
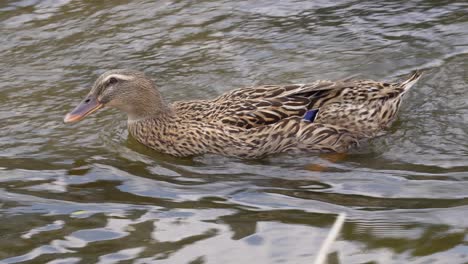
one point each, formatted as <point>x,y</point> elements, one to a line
<point>253,122</point>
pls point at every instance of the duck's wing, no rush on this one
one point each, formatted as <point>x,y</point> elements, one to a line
<point>264,105</point>
<point>251,107</point>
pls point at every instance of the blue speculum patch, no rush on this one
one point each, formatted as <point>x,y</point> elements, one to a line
<point>311,115</point>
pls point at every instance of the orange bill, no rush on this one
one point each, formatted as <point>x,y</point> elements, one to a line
<point>85,108</point>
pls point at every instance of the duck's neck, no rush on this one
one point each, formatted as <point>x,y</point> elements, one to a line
<point>160,114</point>
<point>151,129</point>
<point>152,106</point>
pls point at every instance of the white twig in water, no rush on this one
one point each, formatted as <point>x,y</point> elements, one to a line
<point>322,254</point>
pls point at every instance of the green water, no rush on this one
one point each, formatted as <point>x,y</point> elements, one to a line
<point>87,193</point>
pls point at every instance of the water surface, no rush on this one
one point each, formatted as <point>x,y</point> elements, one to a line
<point>87,193</point>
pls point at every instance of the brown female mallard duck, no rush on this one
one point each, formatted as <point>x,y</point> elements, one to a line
<point>250,122</point>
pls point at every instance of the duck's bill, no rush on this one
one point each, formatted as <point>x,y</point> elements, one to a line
<point>85,108</point>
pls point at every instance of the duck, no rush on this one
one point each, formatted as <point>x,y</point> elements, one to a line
<point>250,122</point>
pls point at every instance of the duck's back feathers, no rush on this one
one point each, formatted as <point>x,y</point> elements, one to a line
<point>358,105</point>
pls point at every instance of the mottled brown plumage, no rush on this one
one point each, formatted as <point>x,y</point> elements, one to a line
<point>250,122</point>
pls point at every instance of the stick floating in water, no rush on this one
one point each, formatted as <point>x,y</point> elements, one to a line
<point>322,254</point>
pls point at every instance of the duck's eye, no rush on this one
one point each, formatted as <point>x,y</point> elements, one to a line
<point>113,80</point>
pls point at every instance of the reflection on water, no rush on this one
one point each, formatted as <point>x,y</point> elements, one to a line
<point>87,193</point>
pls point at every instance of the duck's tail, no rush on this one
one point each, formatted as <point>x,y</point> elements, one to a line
<point>406,85</point>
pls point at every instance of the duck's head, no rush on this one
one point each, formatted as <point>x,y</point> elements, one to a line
<point>130,91</point>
